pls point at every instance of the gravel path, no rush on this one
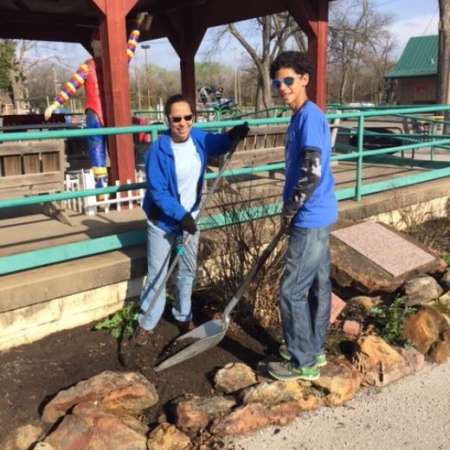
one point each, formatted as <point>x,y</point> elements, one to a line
<point>412,414</point>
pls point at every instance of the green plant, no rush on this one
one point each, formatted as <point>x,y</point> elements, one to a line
<point>122,323</point>
<point>390,319</point>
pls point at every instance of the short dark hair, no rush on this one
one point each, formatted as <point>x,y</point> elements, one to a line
<point>297,61</point>
<point>175,99</point>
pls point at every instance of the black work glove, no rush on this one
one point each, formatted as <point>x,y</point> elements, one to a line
<point>239,132</point>
<point>188,224</point>
<point>288,213</point>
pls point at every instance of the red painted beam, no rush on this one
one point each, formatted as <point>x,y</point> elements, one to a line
<point>312,16</point>
<point>113,35</point>
<point>185,34</point>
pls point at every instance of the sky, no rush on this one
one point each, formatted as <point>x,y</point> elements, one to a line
<point>410,18</point>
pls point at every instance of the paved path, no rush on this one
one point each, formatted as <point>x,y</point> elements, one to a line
<point>412,414</point>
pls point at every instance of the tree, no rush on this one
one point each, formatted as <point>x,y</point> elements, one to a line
<point>7,51</point>
<point>444,52</point>
<point>358,38</point>
<point>274,33</point>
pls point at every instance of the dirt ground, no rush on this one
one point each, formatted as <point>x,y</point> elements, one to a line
<point>32,374</point>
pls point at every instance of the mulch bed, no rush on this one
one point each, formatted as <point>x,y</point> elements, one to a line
<point>32,374</point>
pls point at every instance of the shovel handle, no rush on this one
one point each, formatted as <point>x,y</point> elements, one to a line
<point>251,275</point>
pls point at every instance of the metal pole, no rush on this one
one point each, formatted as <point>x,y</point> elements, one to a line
<point>359,168</point>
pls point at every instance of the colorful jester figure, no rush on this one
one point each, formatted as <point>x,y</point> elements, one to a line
<point>88,75</point>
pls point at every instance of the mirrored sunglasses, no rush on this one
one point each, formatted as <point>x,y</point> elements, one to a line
<point>177,119</point>
<point>288,81</point>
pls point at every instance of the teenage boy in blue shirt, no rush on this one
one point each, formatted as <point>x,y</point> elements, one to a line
<point>309,208</point>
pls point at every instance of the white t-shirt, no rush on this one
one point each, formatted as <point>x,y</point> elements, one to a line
<point>187,168</point>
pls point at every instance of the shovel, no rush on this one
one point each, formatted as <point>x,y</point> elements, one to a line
<point>212,332</point>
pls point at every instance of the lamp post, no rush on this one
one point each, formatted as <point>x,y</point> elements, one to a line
<point>147,80</point>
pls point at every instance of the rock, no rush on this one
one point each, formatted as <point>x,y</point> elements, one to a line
<point>43,446</point>
<point>421,290</point>
<point>128,393</point>
<point>234,377</point>
<point>340,380</point>
<point>87,409</point>
<point>337,306</point>
<point>352,328</point>
<point>445,299</point>
<point>445,280</point>
<point>254,416</point>
<point>22,438</point>
<point>414,359</point>
<point>91,428</point>
<point>274,393</point>
<point>381,364</point>
<point>440,352</point>
<point>366,303</point>
<point>423,328</point>
<point>167,437</point>
<point>194,414</point>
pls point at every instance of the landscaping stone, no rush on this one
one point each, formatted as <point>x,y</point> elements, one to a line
<point>440,352</point>
<point>255,416</point>
<point>234,377</point>
<point>423,328</point>
<point>352,328</point>
<point>193,414</point>
<point>414,359</point>
<point>421,290</point>
<point>445,299</point>
<point>337,306</point>
<point>167,437</point>
<point>98,430</point>
<point>121,392</point>
<point>381,364</point>
<point>43,446</point>
<point>383,271</point>
<point>273,393</point>
<point>22,438</point>
<point>445,280</point>
<point>340,380</point>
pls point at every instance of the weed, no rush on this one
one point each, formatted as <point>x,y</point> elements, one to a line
<point>122,323</point>
<point>390,320</point>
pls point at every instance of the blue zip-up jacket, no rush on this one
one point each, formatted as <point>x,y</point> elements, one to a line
<point>162,199</point>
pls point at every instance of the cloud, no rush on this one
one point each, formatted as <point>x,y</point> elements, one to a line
<point>423,25</point>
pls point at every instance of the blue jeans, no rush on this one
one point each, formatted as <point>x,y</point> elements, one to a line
<point>160,244</point>
<point>306,294</point>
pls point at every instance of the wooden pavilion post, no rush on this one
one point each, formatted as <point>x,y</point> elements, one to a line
<point>186,35</point>
<point>113,36</point>
<point>312,16</point>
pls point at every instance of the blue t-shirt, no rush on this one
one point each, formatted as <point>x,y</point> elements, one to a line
<point>309,130</point>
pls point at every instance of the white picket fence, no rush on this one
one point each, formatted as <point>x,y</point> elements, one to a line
<point>84,179</point>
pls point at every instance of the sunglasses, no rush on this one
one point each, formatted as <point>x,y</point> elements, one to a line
<point>178,119</point>
<point>288,81</point>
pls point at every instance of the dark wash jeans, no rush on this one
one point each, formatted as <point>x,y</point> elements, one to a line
<point>306,293</point>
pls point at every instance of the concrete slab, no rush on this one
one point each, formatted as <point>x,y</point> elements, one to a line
<point>384,247</point>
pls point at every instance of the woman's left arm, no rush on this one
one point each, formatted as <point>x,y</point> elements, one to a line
<point>217,143</point>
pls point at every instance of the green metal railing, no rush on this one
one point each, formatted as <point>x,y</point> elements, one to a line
<point>37,258</point>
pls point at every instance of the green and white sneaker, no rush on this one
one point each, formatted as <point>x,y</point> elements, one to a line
<point>285,371</point>
<point>320,360</point>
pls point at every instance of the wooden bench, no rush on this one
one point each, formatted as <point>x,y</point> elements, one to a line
<point>33,168</point>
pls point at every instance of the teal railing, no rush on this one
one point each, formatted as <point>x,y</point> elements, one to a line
<point>37,258</point>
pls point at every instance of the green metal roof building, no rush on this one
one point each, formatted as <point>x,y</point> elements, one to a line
<point>415,74</point>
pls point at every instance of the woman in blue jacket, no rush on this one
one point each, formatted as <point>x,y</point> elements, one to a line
<point>175,168</point>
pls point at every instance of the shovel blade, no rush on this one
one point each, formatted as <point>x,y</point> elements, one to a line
<point>207,336</point>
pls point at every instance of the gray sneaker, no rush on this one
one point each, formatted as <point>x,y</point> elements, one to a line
<point>285,370</point>
<point>319,360</point>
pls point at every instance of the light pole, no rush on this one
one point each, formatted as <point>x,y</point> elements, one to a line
<point>147,80</point>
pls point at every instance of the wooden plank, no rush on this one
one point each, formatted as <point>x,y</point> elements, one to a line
<point>12,165</point>
<point>31,179</point>
<point>31,163</point>
<point>50,162</point>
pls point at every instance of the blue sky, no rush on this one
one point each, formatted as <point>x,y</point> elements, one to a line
<point>411,18</point>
